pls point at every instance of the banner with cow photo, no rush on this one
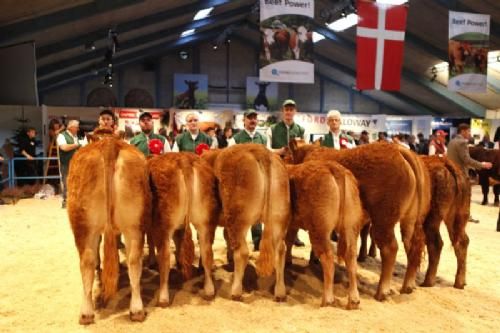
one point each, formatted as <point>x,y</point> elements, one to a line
<point>190,91</point>
<point>468,48</point>
<point>286,41</point>
<point>261,96</point>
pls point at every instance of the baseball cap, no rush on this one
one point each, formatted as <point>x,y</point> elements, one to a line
<point>441,132</point>
<point>289,102</point>
<point>249,113</point>
<point>145,114</point>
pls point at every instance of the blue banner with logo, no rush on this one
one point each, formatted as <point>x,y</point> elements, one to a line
<point>286,41</point>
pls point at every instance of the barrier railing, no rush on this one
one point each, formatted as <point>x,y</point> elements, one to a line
<point>12,175</point>
<point>5,178</point>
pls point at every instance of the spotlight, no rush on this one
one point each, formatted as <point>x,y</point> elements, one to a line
<point>184,55</point>
<point>90,46</point>
<point>215,47</point>
<point>343,13</point>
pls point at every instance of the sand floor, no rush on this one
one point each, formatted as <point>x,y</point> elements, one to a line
<point>41,287</point>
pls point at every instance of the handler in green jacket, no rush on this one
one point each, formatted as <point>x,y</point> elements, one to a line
<point>190,139</point>
<point>280,134</point>
<point>141,140</point>
<point>250,135</point>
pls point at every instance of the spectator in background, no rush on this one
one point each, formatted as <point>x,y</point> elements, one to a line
<point>55,127</point>
<point>422,145</point>
<point>68,143</point>
<point>382,137</point>
<point>458,152</point>
<point>438,145</point>
<point>27,149</point>
<point>485,142</point>
<point>398,139</point>
<point>364,139</point>
<point>213,136</point>
<point>224,138</point>
<point>411,142</point>
<point>496,138</point>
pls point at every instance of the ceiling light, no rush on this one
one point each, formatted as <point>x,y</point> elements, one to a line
<point>187,32</point>
<point>344,23</point>
<point>202,13</point>
<point>317,37</point>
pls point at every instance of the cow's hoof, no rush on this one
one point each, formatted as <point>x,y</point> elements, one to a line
<point>362,258</point>
<point>237,298</point>
<point>427,284</point>
<point>380,297</point>
<point>407,290</point>
<point>163,304</point>
<point>459,285</point>
<point>208,297</point>
<point>352,305</point>
<point>138,316</point>
<point>86,319</point>
<point>280,299</point>
<point>325,304</point>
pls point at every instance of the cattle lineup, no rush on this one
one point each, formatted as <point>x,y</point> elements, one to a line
<point>113,190</point>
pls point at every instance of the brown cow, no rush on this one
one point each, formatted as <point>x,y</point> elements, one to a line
<point>253,187</point>
<point>450,203</point>
<point>184,193</point>
<point>325,197</point>
<point>108,192</point>
<point>394,186</point>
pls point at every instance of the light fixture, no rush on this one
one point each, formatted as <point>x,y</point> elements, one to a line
<point>184,55</point>
<point>317,37</point>
<point>344,23</point>
<point>215,47</point>
<point>187,33</point>
<point>201,14</point>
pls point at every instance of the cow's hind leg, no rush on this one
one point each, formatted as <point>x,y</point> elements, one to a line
<point>134,243</point>
<point>460,242</point>
<point>386,242</point>
<point>240,253</point>
<point>434,244</point>
<point>413,239</point>
<point>87,248</point>
<point>349,237</point>
<point>206,238</point>
<point>322,247</point>
<point>163,255</point>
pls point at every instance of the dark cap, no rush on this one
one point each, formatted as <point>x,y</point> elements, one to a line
<point>289,102</point>
<point>144,115</point>
<point>249,113</point>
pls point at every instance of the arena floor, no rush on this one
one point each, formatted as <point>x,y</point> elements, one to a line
<point>41,288</point>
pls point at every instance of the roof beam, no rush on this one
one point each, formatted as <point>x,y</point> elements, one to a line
<point>156,51</point>
<point>129,44</point>
<point>124,27</point>
<point>43,22</point>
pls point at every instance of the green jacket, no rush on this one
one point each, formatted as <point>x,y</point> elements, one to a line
<point>186,143</point>
<point>141,141</point>
<point>65,156</point>
<point>281,135</point>
<point>243,137</point>
<point>328,140</point>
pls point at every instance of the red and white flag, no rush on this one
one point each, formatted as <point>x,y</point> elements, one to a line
<point>380,40</point>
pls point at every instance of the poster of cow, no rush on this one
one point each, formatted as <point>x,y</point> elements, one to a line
<point>261,96</point>
<point>190,91</point>
<point>286,41</point>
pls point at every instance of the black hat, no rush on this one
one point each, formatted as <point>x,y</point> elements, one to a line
<point>249,113</point>
<point>145,114</point>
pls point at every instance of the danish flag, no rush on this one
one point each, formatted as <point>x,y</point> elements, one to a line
<point>380,40</point>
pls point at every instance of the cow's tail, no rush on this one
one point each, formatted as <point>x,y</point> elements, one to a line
<point>265,261</point>
<point>111,260</point>
<point>186,255</point>
<point>462,201</point>
<point>423,200</point>
<point>343,187</point>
